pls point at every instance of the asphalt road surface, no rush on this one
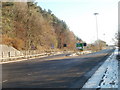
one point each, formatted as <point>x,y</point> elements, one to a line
<point>53,72</point>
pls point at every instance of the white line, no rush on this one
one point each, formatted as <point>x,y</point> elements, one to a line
<point>5,81</point>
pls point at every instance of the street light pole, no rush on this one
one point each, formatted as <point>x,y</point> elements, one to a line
<point>96,24</point>
<point>97,28</point>
<point>104,36</point>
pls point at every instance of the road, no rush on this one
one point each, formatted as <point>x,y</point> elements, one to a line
<point>52,72</point>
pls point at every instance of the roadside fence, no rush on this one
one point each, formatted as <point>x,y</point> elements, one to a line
<point>13,55</point>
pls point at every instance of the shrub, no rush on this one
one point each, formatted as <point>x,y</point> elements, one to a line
<point>15,42</point>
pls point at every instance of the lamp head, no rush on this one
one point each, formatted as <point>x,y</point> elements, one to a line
<point>96,13</point>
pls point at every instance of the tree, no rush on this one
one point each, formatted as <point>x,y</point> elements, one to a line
<point>37,28</point>
<point>100,44</point>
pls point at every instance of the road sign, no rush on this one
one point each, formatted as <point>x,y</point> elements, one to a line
<point>64,45</point>
<point>79,46</point>
<point>52,46</point>
<point>84,44</point>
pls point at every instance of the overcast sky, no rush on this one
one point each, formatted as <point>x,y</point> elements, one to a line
<point>78,14</point>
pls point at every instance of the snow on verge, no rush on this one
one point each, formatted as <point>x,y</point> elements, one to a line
<point>107,75</point>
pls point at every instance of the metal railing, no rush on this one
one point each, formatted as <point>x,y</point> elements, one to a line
<point>13,55</point>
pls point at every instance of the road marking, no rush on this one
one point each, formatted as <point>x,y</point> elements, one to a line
<point>19,60</point>
<point>5,81</point>
<point>28,74</point>
<point>25,60</point>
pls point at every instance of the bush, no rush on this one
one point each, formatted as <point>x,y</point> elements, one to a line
<point>15,42</point>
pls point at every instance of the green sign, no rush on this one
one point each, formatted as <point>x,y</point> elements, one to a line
<point>79,46</point>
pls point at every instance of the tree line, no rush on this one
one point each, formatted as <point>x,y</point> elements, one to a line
<point>25,25</point>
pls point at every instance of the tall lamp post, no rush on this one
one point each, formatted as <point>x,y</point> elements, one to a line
<point>97,28</point>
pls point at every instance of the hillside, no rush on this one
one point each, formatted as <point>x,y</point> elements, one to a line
<point>27,26</point>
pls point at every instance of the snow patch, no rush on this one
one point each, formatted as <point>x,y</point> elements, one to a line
<point>107,75</point>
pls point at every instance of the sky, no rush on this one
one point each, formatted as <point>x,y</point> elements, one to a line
<point>80,18</point>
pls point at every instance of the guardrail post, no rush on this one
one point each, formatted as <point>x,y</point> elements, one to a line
<point>8,54</point>
<point>15,53</point>
<point>2,54</point>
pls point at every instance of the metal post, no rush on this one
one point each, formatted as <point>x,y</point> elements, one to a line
<point>2,55</point>
<point>8,54</point>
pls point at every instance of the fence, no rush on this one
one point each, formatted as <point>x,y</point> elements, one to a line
<point>12,55</point>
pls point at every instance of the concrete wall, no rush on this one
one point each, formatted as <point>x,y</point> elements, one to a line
<point>8,51</point>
